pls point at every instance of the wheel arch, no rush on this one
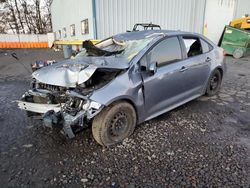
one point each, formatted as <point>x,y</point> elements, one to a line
<point>211,73</point>
<point>128,100</point>
<point>218,68</point>
<point>99,125</point>
<point>221,70</point>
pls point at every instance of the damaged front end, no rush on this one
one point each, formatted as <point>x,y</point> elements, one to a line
<point>69,111</point>
<point>60,94</point>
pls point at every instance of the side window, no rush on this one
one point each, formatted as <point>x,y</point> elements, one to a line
<point>85,26</point>
<point>193,46</point>
<point>167,51</point>
<point>206,47</point>
<point>144,63</point>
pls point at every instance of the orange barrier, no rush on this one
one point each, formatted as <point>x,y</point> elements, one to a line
<point>24,45</point>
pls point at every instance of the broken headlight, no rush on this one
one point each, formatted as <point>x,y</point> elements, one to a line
<point>92,108</point>
<point>78,102</point>
<point>40,63</point>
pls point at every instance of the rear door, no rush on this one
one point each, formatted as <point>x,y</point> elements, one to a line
<point>198,61</point>
<point>165,88</point>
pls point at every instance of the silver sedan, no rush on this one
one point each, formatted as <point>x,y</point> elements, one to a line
<point>123,81</point>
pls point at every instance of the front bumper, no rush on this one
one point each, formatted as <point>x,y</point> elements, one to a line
<point>61,115</point>
<point>38,108</point>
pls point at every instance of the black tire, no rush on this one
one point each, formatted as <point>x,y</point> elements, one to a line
<point>214,83</point>
<point>114,123</point>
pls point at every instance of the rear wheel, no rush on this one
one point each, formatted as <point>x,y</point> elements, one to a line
<point>114,123</point>
<point>214,83</point>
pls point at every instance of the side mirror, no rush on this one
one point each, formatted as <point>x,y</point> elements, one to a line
<point>153,68</point>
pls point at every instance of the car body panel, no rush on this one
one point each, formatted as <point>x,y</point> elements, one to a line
<point>165,87</point>
<point>70,73</point>
<point>197,71</point>
<point>127,86</point>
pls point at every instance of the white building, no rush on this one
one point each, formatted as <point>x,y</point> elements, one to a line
<point>98,19</point>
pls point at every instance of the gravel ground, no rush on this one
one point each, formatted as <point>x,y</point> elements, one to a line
<point>205,143</point>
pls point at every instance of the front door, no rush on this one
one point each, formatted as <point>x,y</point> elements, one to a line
<point>165,88</point>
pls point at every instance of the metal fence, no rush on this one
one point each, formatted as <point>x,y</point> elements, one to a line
<point>23,41</point>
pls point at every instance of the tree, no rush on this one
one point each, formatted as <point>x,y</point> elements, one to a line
<point>22,16</point>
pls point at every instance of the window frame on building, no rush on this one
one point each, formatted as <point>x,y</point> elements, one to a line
<point>64,32</point>
<point>72,30</point>
<point>59,34</point>
<point>85,26</point>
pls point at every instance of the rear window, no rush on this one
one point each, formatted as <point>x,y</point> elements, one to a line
<point>206,47</point>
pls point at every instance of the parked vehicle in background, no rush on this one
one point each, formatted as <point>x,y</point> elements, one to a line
<point>123,81</point>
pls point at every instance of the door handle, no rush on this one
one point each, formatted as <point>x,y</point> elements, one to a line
<point>183,68</point>
<point>208,59</point>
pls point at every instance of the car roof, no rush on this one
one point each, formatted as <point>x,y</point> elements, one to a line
<point>136,35</point>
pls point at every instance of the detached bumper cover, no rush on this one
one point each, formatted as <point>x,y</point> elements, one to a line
<point>38,108</point>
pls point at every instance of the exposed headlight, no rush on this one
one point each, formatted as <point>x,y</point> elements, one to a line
<point>92,108</point>
<point>95,105</point>
<point>91,105</point>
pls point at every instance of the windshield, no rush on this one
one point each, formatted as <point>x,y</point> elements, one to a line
<point>124,49</point>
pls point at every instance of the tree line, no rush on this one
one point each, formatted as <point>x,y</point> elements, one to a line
<point>25,16</point>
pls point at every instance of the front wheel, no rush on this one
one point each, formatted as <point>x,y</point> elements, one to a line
<point>214,83</point>
<point>114,123</point>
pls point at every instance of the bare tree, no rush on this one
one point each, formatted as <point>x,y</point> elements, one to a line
<point>38,16</point>
<point>26,17</point>
<point>19,16</point>
<point>11,16</point>
<point>48,16</point>
<point>22,16</point>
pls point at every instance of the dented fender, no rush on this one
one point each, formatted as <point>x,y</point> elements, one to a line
<point>127,86</point>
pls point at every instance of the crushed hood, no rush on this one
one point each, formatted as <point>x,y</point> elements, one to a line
<point>70,73</point>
